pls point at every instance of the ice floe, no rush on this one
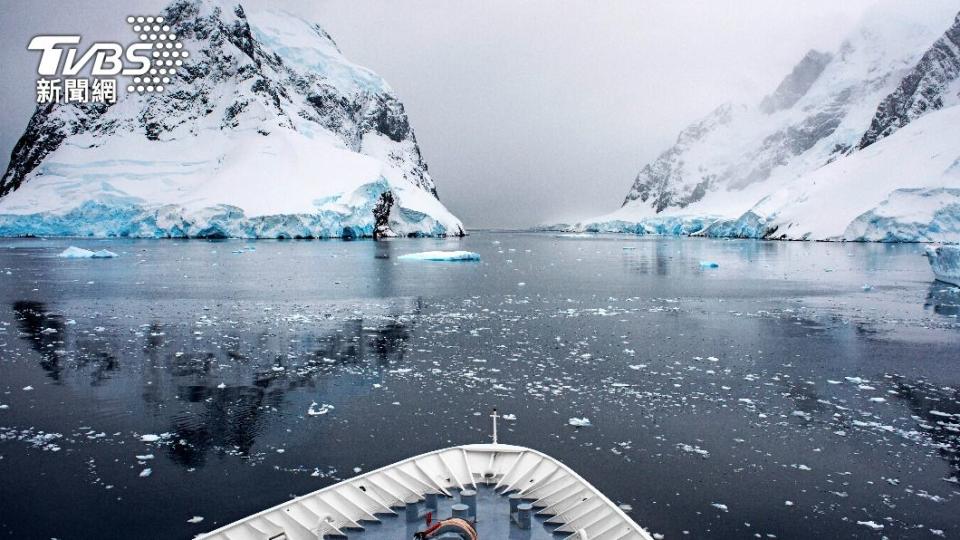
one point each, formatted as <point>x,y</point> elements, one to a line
<point>452,256</point>
<point>74,252</point>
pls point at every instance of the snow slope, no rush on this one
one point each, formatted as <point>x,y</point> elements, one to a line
<point>905,187</point>
<point>265,131</point>
<point>812,159</point>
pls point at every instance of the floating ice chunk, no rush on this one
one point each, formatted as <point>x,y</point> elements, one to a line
<point>721,507</point>
<point>195,519</point>
<point>878,399</point>
<point>788,503</point>
<point>709,264</point>
<point>357,470</point>
<point>146,472</point>
<point>27,388</point>
<point>945,263</point>
<point>871,525</point>
<point>144,457</point>
<point>73,252</point>
<point>323,409</point>
<point>579,422</point>
<point>510,417</point>
<point>693,449</point>
<point>221,386</point>
<point>866,287</point>
<point>855,380</point>
<point>441,256</point>
<point>150,437</point>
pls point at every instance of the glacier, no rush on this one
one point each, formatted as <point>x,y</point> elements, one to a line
<point>267,131</point>
<point>855,144</point>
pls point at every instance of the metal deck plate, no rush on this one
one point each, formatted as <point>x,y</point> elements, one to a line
<point>493,521</point>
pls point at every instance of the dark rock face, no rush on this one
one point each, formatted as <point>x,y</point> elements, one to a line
<point>660,182</point>
<point>48,127</point>
<point>796,84</point>
<point>924,89</point>
<point>381,215</point>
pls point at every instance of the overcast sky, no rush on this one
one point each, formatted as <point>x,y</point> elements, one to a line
<point>526,111</point>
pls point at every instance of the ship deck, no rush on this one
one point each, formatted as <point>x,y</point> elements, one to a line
<point>493,521</point>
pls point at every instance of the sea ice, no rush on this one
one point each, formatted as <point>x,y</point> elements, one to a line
<point>74,252</point>
<point>579,422</point>
<point>441,256</point>
<point>693,449</point>
<point>195,519</point>
<point>323,409</point>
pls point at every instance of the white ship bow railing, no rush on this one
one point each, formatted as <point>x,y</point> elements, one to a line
<point>568,501</point>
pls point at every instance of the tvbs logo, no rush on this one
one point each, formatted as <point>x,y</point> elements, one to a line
<point>148,64</point>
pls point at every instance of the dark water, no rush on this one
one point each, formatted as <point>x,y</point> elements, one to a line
<point>773,387</point>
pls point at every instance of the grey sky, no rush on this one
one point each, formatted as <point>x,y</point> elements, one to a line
<point>527,112</point>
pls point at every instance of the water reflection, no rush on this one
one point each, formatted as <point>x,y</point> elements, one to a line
<point>45,333</point>
<point>221,392</point>
<point>943,299</point>
<point>937,411</point>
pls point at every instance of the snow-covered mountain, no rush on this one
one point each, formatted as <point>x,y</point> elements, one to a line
<point>860,143</point>
<point>265,131</point>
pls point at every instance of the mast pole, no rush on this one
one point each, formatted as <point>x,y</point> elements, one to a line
<point>494,416</point>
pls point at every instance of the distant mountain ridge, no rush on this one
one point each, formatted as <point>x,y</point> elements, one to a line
<point>265,131</point>
<point>751,170</point>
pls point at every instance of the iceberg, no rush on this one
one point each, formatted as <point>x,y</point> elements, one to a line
<point>945,263</point>
<point>74,252</point>
<point>441,256</point>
